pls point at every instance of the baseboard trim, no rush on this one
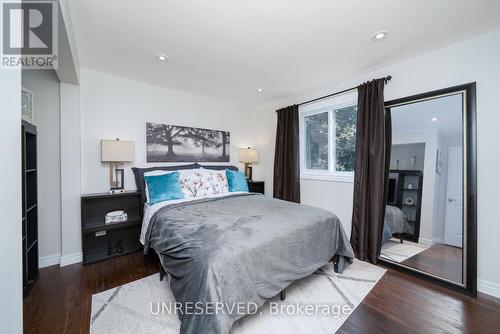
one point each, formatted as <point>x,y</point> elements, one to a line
<point>438,240</point>
<point>430,242</point>
<point>427,242</point>
<point>48,261</point>
<point>66,260</point>
<point>57,259</point>
<point>488,288</point>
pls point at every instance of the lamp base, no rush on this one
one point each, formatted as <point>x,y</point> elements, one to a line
<point>116,178</point>
<point>248,171</point>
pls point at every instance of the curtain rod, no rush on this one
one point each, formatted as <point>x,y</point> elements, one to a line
<point>386,79</point>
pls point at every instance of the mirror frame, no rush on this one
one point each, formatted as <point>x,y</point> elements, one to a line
<point>469,255</point>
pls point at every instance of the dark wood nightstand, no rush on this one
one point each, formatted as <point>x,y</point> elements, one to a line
<point>100,241</point>
<point>256,186</point>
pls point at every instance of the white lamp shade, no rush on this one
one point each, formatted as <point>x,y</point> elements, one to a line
<point>117,150</point>
<point>248,155</point>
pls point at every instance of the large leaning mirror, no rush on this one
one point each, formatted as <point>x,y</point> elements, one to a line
<point>430,214</point>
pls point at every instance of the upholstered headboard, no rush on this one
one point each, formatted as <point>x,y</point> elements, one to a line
<point>139,173</point>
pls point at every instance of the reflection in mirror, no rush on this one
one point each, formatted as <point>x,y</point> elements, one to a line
<point>423,225</point>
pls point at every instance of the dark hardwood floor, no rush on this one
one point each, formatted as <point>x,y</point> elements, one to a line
<point>440,260</point>
<point>60,301</point>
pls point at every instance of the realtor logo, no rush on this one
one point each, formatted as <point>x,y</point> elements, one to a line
<point>29,34</point>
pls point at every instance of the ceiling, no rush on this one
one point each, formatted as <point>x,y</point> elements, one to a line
<point>418,116</point>
<point>227,49</point>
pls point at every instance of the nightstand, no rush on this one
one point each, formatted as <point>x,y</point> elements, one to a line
<point>256,186</point>
<point>102,241</point>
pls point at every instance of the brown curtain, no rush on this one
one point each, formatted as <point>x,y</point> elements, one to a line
<point>286,184</point>
<point>370,178</point>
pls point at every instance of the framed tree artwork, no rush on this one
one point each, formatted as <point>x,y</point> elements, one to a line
<point>173,143</point>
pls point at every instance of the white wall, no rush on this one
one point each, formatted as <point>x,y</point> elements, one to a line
<point>71,243</point>
<point>330,195</point>
<point>442,199</point>
<point>477,60</point>
<point>45,87</point>
<point>114,107</point>
<point>11,310</point>
<point>404,153</point>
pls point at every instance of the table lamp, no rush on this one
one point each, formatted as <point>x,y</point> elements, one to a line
<point>248,156</point>
<point>116,152</point>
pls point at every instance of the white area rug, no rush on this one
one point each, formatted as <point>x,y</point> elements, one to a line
<point>398,252</point>
<point>127,308</point>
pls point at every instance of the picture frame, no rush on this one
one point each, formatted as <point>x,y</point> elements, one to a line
<point>439,162</point>
<point>174,143</point>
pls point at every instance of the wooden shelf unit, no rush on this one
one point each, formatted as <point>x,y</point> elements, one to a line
<point>405,177</point>
<point>102,241</point>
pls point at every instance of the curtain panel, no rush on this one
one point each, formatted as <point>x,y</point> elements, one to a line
<point>373,143</point>
<point>286,183</point>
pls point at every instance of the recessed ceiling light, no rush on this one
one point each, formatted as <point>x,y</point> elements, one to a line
<point>260,90</point>
<point>434,119</point>
<point>161,57</point>
<point>380,35</point>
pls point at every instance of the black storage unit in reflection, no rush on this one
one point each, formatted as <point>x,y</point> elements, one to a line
<point>101,241</point>
<point>29,205</point>
<point>405,192</point>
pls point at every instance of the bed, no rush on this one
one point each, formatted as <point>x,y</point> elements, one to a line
<point>237,250</point>
<point>395,223</point>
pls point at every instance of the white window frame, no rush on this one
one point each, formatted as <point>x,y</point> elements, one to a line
<point>325,105</point>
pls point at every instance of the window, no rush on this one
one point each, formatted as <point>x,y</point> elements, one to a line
<point>316,141</point>
<point>345,138</point>
<point>328,138</point>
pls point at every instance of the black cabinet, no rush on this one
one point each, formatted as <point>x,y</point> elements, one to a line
<point>405,192</point>
<point>102,241</point>
<point>256,186</point>
<point>29,205</point>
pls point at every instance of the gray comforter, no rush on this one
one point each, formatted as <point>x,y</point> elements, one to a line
<point>240,249</point>
<point>396,220</point>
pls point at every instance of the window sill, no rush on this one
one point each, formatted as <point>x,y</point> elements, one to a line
<point>328,177</point>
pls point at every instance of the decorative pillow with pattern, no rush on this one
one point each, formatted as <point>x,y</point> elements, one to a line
<point>203,182</point>
<point>191,182</point>
<point>219,180</point>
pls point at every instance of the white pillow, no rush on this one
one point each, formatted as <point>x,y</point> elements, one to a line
<point>219,179</point>
<point>203,182</point>
<point>195,183</point>
<point>154,173</point>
